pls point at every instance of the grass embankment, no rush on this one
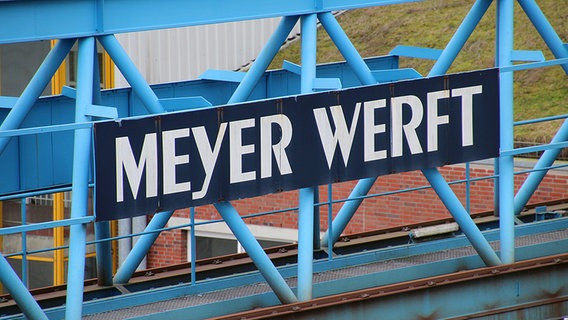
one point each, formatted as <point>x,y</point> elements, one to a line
<point>432,23</point>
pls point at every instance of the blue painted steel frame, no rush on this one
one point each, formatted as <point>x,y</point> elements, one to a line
<point>81,165</point>
<point>19,19</point>
<point>102,19</point>
<point>306,200</point>
<point>505,13</point>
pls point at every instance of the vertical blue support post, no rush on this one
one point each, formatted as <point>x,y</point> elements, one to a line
<point>468,187</point>
<point>546,160</point>
<point>35,87</point>
<point>81,162</point>
<point>461,216</point>
<point>496,187</point>
<point>306,206</point>
<point>264,58</point>
<point>104,254</point>
<point>329,242</point>
<point>505,14</point>
<point>317,226</point>
<point>19,292</point>
<point>192,244</point>
<point>150,100</point>
<point>23,211</point>
<point>255,252</point>
<point>545,30</point>
<point>363,73</point>
<point>102,228</point>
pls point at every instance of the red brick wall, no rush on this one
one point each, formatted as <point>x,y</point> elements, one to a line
<point>374,213</point>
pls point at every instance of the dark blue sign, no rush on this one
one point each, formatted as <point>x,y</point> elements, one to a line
<point>179,160</point>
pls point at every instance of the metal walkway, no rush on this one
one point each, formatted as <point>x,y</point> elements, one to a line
<point>383,272</point>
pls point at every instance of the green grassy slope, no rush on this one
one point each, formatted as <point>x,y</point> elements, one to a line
<point>375,31</point>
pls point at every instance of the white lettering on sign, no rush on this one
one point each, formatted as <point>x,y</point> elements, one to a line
<point>125,162</point>
<point>399,133</point>
<point>371,129</point>
<point>467,111</point>
<point>267,149</point>
<point>171,160</point>
<point>397,128</point>
<point>342,134</point>
<point>208,155</point>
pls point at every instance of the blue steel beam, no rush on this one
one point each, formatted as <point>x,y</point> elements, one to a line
<point>263,60</point>
<point>19,292</point>
<point>153,105</point>
<point>460,37</point>
<point>546,160</point>
<point>141,248</point>
<point>255,252</point>
<point>306,195</point>
<point>56,19</point>
<point>131,73</point>
<point>505,16</point>
<point>545,29</point>
<point>81,164</point>
<point>226,209</point>
<point>462,217</point>
<point>102,228</point>
<point>441,187</point>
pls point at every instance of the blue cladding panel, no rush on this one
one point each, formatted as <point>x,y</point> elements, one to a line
<point>45,160</point>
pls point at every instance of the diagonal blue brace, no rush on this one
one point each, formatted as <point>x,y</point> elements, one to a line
<point>226,209</point>
<point>255,252</point>
<point>131,73</point>
<point>364,74</point>
<point>438,183</point>
<point>546,160</point>
<point>263,60</point>
<point>35,87</point>
<point>462,217</point>
<point>153,105</point>
<point>19,292</point>
<point>81,162</point>
<point>545,30</point>
<point>458,40</point>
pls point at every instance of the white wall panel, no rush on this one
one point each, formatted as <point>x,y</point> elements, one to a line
<point>184,53</point>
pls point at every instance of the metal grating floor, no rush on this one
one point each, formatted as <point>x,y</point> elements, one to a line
<point>258,288</point>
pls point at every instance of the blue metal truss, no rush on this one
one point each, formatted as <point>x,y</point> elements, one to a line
<point>86,22</point>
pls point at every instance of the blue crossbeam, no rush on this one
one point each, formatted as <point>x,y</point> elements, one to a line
<point>44,20</point>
